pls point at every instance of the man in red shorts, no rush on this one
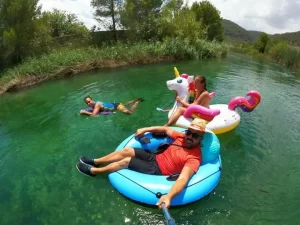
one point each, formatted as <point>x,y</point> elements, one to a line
<point>182,157</point>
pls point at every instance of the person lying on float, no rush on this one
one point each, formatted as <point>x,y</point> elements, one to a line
<point>97,107</point>
<point>182,157</point>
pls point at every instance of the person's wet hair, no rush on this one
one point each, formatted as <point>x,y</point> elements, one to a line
<point>84,99</point>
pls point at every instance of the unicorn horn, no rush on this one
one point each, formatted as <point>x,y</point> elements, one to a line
<point>176,72</point>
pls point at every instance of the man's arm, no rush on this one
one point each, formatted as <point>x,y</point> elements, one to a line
<point>84,112</point>
<point>159,129</point>
<point>95,111</point>
<point>179,185</point>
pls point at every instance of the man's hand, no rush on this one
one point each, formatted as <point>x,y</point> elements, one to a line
<point>164,199</point>
<point>82,112</point>
<point>177,187</point>
<point>140,132</point>
<point>156,129</point>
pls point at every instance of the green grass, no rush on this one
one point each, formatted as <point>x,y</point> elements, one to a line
<point>66,61</point>
<point>286,55</point>
<point>280,52</point>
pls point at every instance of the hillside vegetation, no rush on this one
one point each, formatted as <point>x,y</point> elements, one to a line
<point>235,33</point>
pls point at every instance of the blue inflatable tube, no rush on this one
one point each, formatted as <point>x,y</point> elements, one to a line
<point>147,189</point>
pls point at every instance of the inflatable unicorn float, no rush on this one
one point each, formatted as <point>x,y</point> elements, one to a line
<point>220,118</point>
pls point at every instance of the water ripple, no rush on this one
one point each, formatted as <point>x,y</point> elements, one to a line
<point>41,145</point>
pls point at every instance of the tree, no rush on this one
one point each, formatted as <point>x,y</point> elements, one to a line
<point>43,40</point>
<point>168,17</point>
<point>178,21</point>
<point>210,18</point>
<point>261,43</point>
<point>106,9</point>
<point>62,24</point>
<point>18,27</point>
<point>140,17</point>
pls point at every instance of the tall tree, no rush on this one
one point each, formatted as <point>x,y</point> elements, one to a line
<point>42,41</point>
<point>18,27</point>
<point>140,17</point>
<point>210,18</point>
<point>106,9</point>
<point>177,20</point>
<point>261,43</point>
<point>62,23</point>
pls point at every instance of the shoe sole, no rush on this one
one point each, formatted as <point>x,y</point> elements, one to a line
<point>83,172</point>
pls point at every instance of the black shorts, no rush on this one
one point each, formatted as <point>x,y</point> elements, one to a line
<point>144,162</point>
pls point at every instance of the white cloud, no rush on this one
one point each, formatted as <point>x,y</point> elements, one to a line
<point>270,16</point>
<point>81,8</point>
<point>263,15</point>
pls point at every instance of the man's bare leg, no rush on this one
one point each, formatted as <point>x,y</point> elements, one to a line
<point>115,156</point>
<point>91,171</point>
<point>115,166</point>
<point>134,106</point>
<point>133,101</point>
<point>131,110</point>
<point>130,102</point>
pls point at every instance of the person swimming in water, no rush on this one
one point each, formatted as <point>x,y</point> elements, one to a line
<point>104,107</point>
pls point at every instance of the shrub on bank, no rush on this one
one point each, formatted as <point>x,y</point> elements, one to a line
<point>72,61</point>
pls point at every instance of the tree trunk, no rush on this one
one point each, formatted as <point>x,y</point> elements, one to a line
<point>113,19</point>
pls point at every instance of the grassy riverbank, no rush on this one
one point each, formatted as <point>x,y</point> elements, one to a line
<point>67,62</point>
<point>280,52</point>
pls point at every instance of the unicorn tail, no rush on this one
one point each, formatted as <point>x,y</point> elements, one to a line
<point>247,105</point>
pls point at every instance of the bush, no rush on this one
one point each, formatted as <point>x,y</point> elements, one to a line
<point>67,61</point>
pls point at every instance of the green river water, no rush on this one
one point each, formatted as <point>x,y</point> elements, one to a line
<point>42,135</point>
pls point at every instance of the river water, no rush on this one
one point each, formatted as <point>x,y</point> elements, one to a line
<point>42,135</point>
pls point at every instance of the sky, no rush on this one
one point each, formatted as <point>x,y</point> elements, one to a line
<point>270,16</point>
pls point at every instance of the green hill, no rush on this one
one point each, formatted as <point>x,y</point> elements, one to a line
<point>254,34</point>
<point>293,38</point>
<point>234,33</point>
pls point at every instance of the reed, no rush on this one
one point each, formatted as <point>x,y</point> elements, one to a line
<point>279,51</point>
<point>66,62</point>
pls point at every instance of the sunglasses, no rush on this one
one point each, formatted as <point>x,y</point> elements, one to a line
<point>194,135</point>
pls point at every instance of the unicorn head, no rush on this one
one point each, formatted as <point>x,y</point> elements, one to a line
<point>180,85</point>
<point>190,79</point>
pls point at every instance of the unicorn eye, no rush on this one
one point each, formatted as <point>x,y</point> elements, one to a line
<point>179,81</point>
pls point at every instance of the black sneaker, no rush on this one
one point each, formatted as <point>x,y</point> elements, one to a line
<point>87,160</point>
<point>84,169</point>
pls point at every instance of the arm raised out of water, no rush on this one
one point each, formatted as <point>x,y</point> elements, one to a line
<point>179,185</point>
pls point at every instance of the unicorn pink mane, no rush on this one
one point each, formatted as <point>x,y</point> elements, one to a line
<point>247,105</point>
